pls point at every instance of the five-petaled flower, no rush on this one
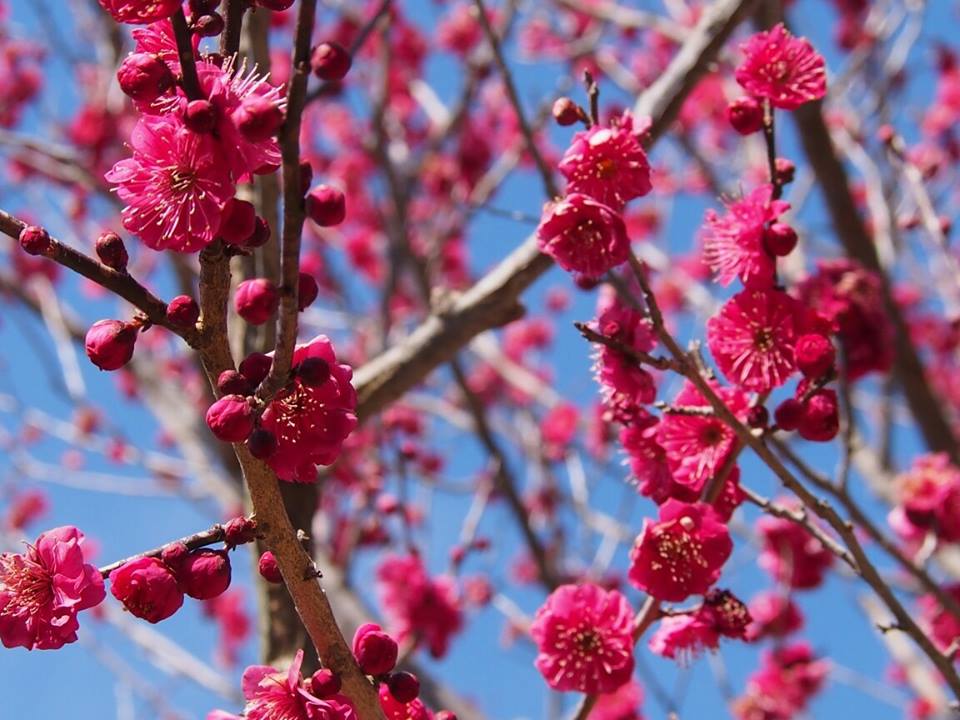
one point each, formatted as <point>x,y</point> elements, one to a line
<point>781,68</point>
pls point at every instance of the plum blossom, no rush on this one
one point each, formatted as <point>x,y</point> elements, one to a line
<point>781,68</point>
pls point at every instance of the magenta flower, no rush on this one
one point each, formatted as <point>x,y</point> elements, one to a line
<point>311,422</point>
<point>607,163</point>
<point>752,338</point>
<point>583,235</point>
<point>42,591</point>
<point>682,553</point>
<point>733,243</point>
<point>783,69</point>
<point>174,186</point>
<point>584,637</point>
<point>683,637</point>
<point>140,12</point>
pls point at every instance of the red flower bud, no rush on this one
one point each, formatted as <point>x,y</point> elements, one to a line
<point>239,531</point>
<point>789,414</point>
<point>209,25</point>
<point>821,418</point>
<point>231,382</point>
<point>268,568</point>
<point>238,221</point>
<point>745,115</point>
<point>566,112</point>
<point>815,355</point>
<point>758,416</point>
<point>375,651</point>
<point>109,343</point>
<point>205,573</point>
<point>200,116</point>
<point>174,554</point>
<point>785,170</point>
<point>330,61</point>
<point>183,311</point>
<point>258,118</point>
<point>35,240</point>
<point>255,367</point>
<point>256,300</point>
<point>307,291</point>
<point>780,239</point>
<point>404,686</point>
<point>262,444</point>
<point>144,76</point>
<point>112,252</point>
<point>313,371</point>
<point>231,418</point>
<point>147,588</point>
<point>326,206</point>
<point>325,683</point>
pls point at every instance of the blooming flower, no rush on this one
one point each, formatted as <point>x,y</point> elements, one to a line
<point>393,709</point>
<point>583,235</point>
<point>174,186</point>
<point>417,605</point>
<point>781,68</point>
<point>607,163</point>
<point>791,554</point>
<point>733,243</point>
<point>752,338</point>
<point>773,615</point>
<point>42,590</point>
<point>938,622</point>
<point>682,553</point>
<point>929,493</point>
<point>697,446</point>
<point>624,703</point>
<point>684,636</point>
<point>311,422</point>
<point>147,588</point>
<point>789,676</point>
<point>140,12</point>
<point>583,634</point>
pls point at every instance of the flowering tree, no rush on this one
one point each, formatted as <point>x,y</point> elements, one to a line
<point>731,412</point>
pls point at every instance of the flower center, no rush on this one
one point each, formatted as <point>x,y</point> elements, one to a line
<point>28,584</point>
<point>182,180</point>
<point>606,168</point>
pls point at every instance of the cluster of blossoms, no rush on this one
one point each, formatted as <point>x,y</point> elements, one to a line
<point>307,422</point>
<point>788,677</point>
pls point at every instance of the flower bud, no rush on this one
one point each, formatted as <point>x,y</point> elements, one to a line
<point>262,444</point>
<point>758,416</point>
<point>779,239</point>
<point>313,371</point>
<point>238,221</point>
<point>404,686</point>
<point>566,112</point>
<point>258,118</point>
<point>147,589</point>
<point>144,76</point>
<point>269,570</point>
<point>173,555</point>
<point>260,235</point>
<point>821,417</point>
<point>112,252</point>
<point>35,240</point>
<point>307,291</point>
<point>256,300</point>
<point>239,531</point>
<point>231,418</point>
<point>231,382</point>
<point>209,25</point>
<point>255,367</point>
<point>375,651</point>
<point>205,573</point>
<point>330,61</point>
<point>200,116</point>
<point>815,355</point>
<point>326,206</point>
<point>325,683</point>
<point>109,343</point>
<point>785,170</point>
<point>183,311</point>
<point>788,414</point>
<point>745,115</point>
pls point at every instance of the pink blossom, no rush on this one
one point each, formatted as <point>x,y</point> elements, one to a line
<point>607,163</point>
<point>791,554</point>
<point>419,606</point>
<point>583,634</point>
<point>42,590</point>
<point>311,422</point>
<point>781,68</point>
<point>174,186</point>
<point>140,12</point>
<point>583,235</point>
<point>752,338</point>
<point>624,703</point>
<point>733,243</point>
<point>685,636</point>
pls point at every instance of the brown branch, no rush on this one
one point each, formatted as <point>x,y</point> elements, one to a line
<point>494,300</point>
<point>293,205</point>
<point>233,25</point>
<point>188,64</point>
<point>118,283</point>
